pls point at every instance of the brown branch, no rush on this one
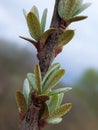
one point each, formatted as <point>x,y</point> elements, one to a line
<point>47,54</point>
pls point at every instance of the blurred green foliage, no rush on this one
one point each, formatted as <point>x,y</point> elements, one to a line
<point>87,89</point>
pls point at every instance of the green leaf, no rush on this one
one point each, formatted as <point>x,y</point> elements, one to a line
<point>43,20</point>
<point>53,68</point>
<point>78,18</point>
<point>77,6</point>
<point>38,78</point>
<point>60,98</point>
<point>35,11</point>
<point>26,91</point>
<point>61,7</point>
<point>53,79</point>
<point>31,79</point>
<point>34,25</point>
<point>46,34</point>
<point>61,111</point>
<point>29,40</point>
<point>81,9</point>
<point>54,121</point>
<point>52,103</point>
<point>60,90</point>
<point>65,38</point>
<point>65,8</point>
<point>21,102</point>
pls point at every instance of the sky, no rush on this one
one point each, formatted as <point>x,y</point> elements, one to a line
<point>77,56</point>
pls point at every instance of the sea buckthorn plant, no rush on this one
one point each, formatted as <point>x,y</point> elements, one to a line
<point>39,103</point>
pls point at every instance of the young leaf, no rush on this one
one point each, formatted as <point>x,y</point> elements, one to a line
<point>21,102</point>
<point>77,6</point>
<point>60,90</point>
<point>54,121</point>
<point>53,79</point>
<point>65,8</point>
<point>38,78</point>
<point>30,40</point>
<point>43,98</point>
<point>31,79</point>
<point>52,103</point>
<point>34,25</point>
<point>26,91</point>
<point>61,111</point>
<point>35,11</point>
<point>60,98</point>
<point>81,9</point>
<point>77,18</point>
<point>53,68</point>
<point>43,20</point>
<point>46,34</point>
<point>61,6</point>
<point>65,38</point>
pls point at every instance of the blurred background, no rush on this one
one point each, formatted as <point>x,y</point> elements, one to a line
<point>79,59</point>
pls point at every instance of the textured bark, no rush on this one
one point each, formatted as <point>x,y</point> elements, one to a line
<point>30,121</point>
<point>47,54</point>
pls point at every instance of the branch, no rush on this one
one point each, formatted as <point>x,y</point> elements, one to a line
<point>31,120</point>
<point>47,54</point>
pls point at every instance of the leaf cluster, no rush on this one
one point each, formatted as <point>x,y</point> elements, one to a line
<point>37,28</point>
<point>45,88</point>
<point>69,10</point>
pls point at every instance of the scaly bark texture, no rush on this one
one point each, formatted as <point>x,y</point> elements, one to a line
<point>32,117</point>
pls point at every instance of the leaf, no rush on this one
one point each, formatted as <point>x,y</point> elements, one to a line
<point>60,90</point>
<point>46,34</point>
<point>26,91</point>
<point>61,7</point>
<point>61,111</point>
<point>43,98</point>
<point>53,79</point>
<point>43,20</point>
<point>82,8</point>
<point>31,79</point>
<point>77,6</point>
<point>25,13</point>
<point>60,98</point>
<point>52,103</point>
<point>54,121</point>
<point>34,25</point>
<point>53,68</point>
<point>30,40</point>
<point>78,18</point>
<point>65,8</point>
<point>21,102</point>
<point>38,78</point>
<point>35,11</point>
<point>65,38</point>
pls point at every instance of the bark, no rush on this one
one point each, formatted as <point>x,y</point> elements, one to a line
<point>47,54</point>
